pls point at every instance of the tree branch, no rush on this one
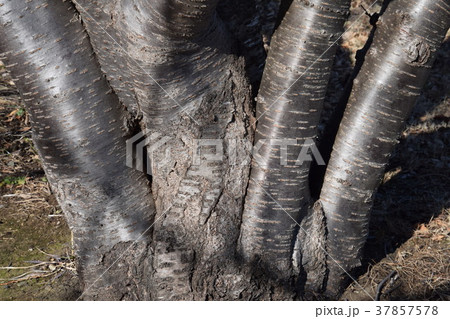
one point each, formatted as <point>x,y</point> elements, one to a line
<point>77,129</point>
<point>159,56</point>
<point>289,107</point>
<point>384,93</point>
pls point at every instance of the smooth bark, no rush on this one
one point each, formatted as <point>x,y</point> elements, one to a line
<point>384,92</point>
<point>79,131</point>
<point>289,107</point>
<point>159,56</point>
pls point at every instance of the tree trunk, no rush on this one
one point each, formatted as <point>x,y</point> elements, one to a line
<point>384,92</point>
<point>94,73</point>
<point>79,129</point>
<point>289,107</point>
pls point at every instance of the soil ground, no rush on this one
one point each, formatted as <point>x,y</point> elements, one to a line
<point>409,242</point>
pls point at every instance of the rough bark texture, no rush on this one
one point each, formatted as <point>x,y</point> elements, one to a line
<point>79,131</point>
<point>90,77</point>
<point>198,205</point>
<point>396,67</point>
<point>310,253</point>
<point>289,106</point>
<point>245,19</point>
<point>205,97</point>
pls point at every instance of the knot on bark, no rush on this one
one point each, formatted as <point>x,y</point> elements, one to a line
<point>418,53</point>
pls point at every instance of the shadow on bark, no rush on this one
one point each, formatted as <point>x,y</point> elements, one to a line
<point>414,189</point>
<point>416,184</point>
<point>328,136</point>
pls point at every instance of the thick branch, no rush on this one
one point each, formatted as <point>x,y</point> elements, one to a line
<point>289,107</point>
<point>187,88</point>
<point>383,95</point>
<point>159,56</point>
<point>187,19</point>
<point>77,129</point>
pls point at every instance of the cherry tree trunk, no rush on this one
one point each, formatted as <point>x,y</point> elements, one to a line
<point>205,227</point>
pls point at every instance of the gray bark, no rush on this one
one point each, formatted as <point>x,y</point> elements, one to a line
<point>205,96</point>
<point>93,73</point>
<point>79,129</point>
<point>289,107</point>
<point>396,68</point>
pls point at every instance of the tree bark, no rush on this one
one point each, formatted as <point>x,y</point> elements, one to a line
<point>79,130</point>
<point>93,73</point>
<point>206,97</point>
<point>288,111</point>
<point>159,56</point>
<point>384,92</point>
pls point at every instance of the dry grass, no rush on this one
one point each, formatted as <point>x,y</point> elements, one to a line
<point>54,267</point>
<point>422,266</point>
